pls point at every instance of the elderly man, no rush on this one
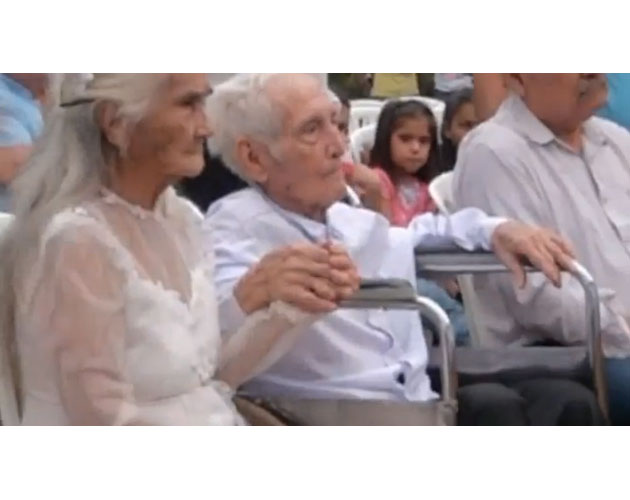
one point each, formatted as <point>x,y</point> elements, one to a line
<point>279,132</point>
<point>545,159</point>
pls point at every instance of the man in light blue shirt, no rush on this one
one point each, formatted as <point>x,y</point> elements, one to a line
<point>279,132</point>
<point>20,123</point>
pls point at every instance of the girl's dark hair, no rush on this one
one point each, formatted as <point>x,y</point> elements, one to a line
<point>391,117</point>
<point>448,150</point>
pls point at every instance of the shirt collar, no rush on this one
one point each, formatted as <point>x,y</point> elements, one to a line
<point>523,120</point>
<point>312,229</point>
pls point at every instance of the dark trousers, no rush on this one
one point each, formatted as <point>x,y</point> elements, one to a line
<point>532,402</point>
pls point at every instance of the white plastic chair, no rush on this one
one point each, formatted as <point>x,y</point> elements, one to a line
<point>366,103</point>
<point>362,140</point>
<point>360,116</point>
<point>9,414</point>
<point>441,191</point>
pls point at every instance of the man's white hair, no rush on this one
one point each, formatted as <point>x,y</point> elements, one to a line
<point>242,107</point>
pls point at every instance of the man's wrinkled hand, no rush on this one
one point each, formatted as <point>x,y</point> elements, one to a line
<point>516,244</point>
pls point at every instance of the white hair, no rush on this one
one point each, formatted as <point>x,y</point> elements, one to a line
<point>242,107</point>
<point>66,167</point>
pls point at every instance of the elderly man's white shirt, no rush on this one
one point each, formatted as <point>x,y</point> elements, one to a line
<point>348,353</point>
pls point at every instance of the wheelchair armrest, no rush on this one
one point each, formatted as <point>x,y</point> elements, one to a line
<point>455,261</point>
<point>400,294</point>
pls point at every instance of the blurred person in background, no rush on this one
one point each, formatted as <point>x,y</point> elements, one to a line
<point>21,122</point>
<point>460,118</point>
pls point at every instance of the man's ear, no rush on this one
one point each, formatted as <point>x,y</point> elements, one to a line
<point>251,157</point>
<point>114,127</point>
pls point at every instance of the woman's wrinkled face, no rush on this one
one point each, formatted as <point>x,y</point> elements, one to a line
<point>172,134</point>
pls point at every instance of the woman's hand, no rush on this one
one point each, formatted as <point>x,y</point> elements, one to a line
<point>313,278</point>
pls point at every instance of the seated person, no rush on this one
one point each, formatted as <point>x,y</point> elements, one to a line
<point>387,85</point>
<point>448,85</point>
<point>406,158</point>
<point>20,124</point>
<point>546,159</point>
<point>108,297</point>
<point>459,119</point>
<point>279,132</point>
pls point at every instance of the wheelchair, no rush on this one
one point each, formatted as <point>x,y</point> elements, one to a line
<point>450,366</point>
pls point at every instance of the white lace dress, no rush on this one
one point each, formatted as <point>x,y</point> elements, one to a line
<point>117,322</point>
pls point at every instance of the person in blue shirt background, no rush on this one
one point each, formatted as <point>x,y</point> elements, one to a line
<point>617,108</point>
<point>21,123</point>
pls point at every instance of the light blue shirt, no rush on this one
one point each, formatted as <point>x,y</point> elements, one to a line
<point>617,108</point>
<point>348,353</point>
<point>20,115</point>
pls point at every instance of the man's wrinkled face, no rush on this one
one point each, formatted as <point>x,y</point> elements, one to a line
<point>563,101</point>
<point>305,168</point>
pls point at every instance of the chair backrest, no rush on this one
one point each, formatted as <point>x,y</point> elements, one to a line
<point>362,140</point>
<point>367,103</point>
<point>361,116</point>
<point>9,414</point>
<point>441,190</point>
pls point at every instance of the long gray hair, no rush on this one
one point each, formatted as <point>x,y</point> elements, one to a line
<point>66,167</point>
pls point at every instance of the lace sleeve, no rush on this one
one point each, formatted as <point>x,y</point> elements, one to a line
<point>79,306</point>
<point>260,342</point>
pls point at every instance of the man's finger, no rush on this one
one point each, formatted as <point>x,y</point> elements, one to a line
<point>322,288</point>
<point>309,302</point>
<point>564,259</point>
<point>564,245</point>
<point>301,264</point>
<point>515,266</point>
<point>313,252</point>
<point>543,261</point>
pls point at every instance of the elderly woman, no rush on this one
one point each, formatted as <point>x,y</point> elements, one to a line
<point>109,301</point>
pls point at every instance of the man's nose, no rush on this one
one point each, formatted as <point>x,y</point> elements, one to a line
<point>337,145</point>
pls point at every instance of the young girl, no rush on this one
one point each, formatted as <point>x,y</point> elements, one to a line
<point>406,158</point>
<point>361,178</point>
<point>459,119</point>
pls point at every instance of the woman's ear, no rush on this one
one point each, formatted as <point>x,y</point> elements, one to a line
<point>113,127</point>
<point>250,156</point>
